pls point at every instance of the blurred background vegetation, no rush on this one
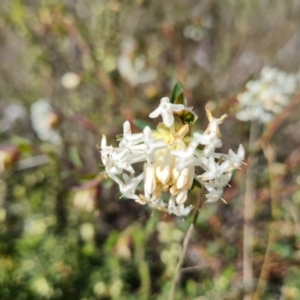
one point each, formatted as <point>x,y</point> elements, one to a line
<point>91,65</point>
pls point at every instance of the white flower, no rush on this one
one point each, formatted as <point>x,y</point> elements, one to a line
<point>130,185</point>
<point>178,210</point>
<point>44,119</point>
<point>214,194</point>
<point>120,158</point>
<point>151,145</point>
<point>236,159</point>
<point>188,157</point>
<point>213,126</point>
<point>129,140</point>
<point>110,167</point>
<point>214,169</point>
<point>210,141</point>
<point>166,110</point>
<point>70,80</point>
<point>220,182</point>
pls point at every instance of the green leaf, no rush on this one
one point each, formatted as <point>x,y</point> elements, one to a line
<point>176,91</point>
<point>23,144</point>
<point>141,124</point>
<point>75,157</point>
<point>282,249</point>
<point>180,99</point>
<point>119,137</point>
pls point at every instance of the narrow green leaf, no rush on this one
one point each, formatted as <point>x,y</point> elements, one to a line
<point>119,137</point>
<point>141,124</point>
<point>75,157</point>
<point>176,91</point>
<point>180,99</point>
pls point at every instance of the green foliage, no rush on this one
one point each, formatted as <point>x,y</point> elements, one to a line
<point>141,124</point>
<point>177,97</point>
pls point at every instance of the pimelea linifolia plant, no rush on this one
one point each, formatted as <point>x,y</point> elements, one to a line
<point>169,155</point>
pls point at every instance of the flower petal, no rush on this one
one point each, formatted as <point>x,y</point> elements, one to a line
<point>168,118</point>
<point>155,113</point>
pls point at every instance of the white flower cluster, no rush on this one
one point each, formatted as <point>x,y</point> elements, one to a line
<point>266,97</point>
<point>170,155</point>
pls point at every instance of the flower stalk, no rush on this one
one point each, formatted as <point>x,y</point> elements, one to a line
<point>186,241</point>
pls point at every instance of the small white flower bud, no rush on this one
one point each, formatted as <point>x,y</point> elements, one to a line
<point>181,197</point>
<point>182,179</point>
<point>163,166</point>
<point>149,175</point>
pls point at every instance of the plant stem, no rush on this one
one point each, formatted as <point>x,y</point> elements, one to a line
<point>265,270</point>
<point>185,246</point>
<point>249,215</point>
